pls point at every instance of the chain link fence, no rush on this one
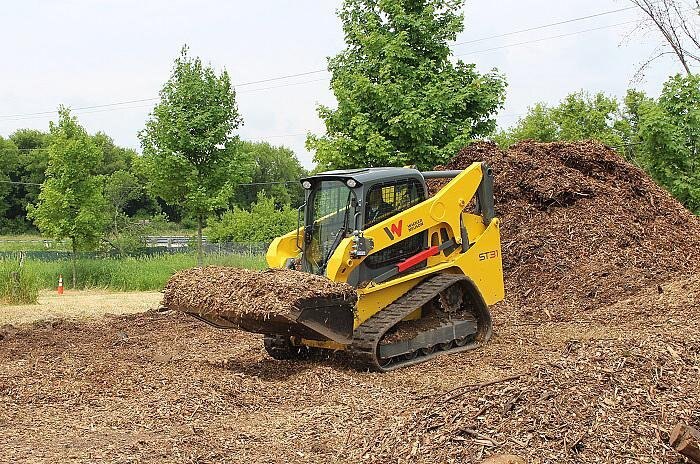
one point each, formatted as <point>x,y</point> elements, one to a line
<point>243,249</point>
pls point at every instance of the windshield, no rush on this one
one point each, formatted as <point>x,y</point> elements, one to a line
<point>330,216</point>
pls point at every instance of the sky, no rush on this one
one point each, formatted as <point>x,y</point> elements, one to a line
<point>87,53</point>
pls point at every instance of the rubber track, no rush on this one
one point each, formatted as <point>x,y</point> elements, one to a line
<point>367,336</point>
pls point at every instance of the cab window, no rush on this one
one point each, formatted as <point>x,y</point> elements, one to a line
<point>389,198</point>
<point>385,200</point>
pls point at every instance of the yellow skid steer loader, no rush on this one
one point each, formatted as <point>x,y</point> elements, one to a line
<point>426,269</point>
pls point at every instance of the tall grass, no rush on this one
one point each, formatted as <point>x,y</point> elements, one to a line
<point>18,284</point>
<point>127,274</point>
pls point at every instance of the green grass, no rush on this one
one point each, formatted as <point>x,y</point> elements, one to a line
<point>128,274</point>
<point>18,285</point>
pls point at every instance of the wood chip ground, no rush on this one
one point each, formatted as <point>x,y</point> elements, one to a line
<point>595,357</point>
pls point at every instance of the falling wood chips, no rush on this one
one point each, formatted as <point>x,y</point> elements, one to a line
<point>242,293</point>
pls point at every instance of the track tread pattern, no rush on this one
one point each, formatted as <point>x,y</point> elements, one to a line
<point>367,336</point>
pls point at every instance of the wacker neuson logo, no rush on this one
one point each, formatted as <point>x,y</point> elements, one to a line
<point>396,230</point>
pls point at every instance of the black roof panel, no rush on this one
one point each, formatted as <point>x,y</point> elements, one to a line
<point>366,175</point>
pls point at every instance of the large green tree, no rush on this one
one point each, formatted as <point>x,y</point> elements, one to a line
<point>275,171</point>
<point>189,143</point>
<point>669,138</point>
<point>401,100</point>
<point>71,204</point>
<point>579,116</point>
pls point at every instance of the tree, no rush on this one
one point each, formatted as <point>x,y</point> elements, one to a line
<point>669,138</point>
<point>271,164</point>
<point>262,223</point>
<point>188,142</point>
<point>30,139</point>
<point>538,125</point>
<point>120,188</point>
<point>28,172</point>
<point>114,158</point>
<point>71,204</point>
<point>401,101</point>
<point>634,100</point>
<point>678,27</point>
<point>10,158</point>
<point>579,116</point>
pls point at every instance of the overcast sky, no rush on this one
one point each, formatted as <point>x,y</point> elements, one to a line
<point>95,52</point>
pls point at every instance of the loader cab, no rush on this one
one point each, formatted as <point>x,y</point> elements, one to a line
<point>341,202</point>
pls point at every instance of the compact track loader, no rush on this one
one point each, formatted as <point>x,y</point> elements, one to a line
<point>425,269</point>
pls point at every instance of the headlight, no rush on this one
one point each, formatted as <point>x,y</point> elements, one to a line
<point>306,184</point>
<point>351,183</point>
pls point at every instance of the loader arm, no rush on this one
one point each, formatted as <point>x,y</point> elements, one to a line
<point>284,248</point>
<point>476,237</point>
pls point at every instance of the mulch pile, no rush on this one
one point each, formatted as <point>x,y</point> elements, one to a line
<point>592,244</point>
<point>241,294</point>
<point>581,227</point>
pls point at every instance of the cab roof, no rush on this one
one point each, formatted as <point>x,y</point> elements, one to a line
<point>366,175</point>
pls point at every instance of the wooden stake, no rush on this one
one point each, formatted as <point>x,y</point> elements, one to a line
<point>686,440</point>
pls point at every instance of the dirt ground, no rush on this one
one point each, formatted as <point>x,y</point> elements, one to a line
<point>79,305</point>
<point>161,387</point>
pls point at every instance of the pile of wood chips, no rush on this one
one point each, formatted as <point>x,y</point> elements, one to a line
<point>581,227</point>
<point>241,293</point>
<point>590,243</point>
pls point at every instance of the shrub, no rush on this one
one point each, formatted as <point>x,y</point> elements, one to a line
<point>261,224</point>
<point>18,284</point>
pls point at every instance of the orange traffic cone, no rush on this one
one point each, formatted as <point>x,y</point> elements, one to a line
<point>60,284</point>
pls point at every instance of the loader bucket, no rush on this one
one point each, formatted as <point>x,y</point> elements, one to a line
<point>275,302</point>
<point>324,320</point>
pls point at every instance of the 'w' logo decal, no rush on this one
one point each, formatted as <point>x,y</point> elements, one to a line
<point>396,230</point>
